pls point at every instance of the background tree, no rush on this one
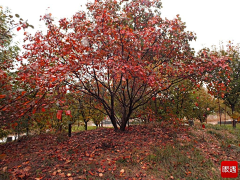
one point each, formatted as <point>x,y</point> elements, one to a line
<point>202,104</point>
<point>11,91</point>
<point>232,93</point>
<point>226,84</point>
<point>217,79</point>
<point>179,98</point>
<point>185,100</point>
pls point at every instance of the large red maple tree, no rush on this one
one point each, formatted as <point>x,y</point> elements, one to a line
<point>122,53</point>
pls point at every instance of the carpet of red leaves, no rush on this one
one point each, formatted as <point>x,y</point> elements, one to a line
<point>85,154</point>
<point>100,154</point>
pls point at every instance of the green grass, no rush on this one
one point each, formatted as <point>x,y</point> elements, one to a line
<point>227,127</point>
<point>180,162</point>
<point>228,137</point>
<point>76,128</point>
<point>216,134</point>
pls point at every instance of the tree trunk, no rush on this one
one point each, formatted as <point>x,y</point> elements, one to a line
<point>155,107</point>
<point>234,122</point>
<point>225,114</point>
<point>232,108</point>
<point>18,131</point>
<point>123,121</point>
<point>27,131</point>
<point>69,129</point>
<point>219,109</point>
<point>85,125</point>
<point>28,125</point>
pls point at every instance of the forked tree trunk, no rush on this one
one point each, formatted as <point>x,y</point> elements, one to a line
<point>123,125</point>
<point>125,119</point>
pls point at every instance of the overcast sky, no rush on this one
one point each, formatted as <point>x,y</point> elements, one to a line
<point>212,20</point>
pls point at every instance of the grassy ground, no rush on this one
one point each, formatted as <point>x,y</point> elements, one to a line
<point>76,128</point>
<point>142,152</point>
